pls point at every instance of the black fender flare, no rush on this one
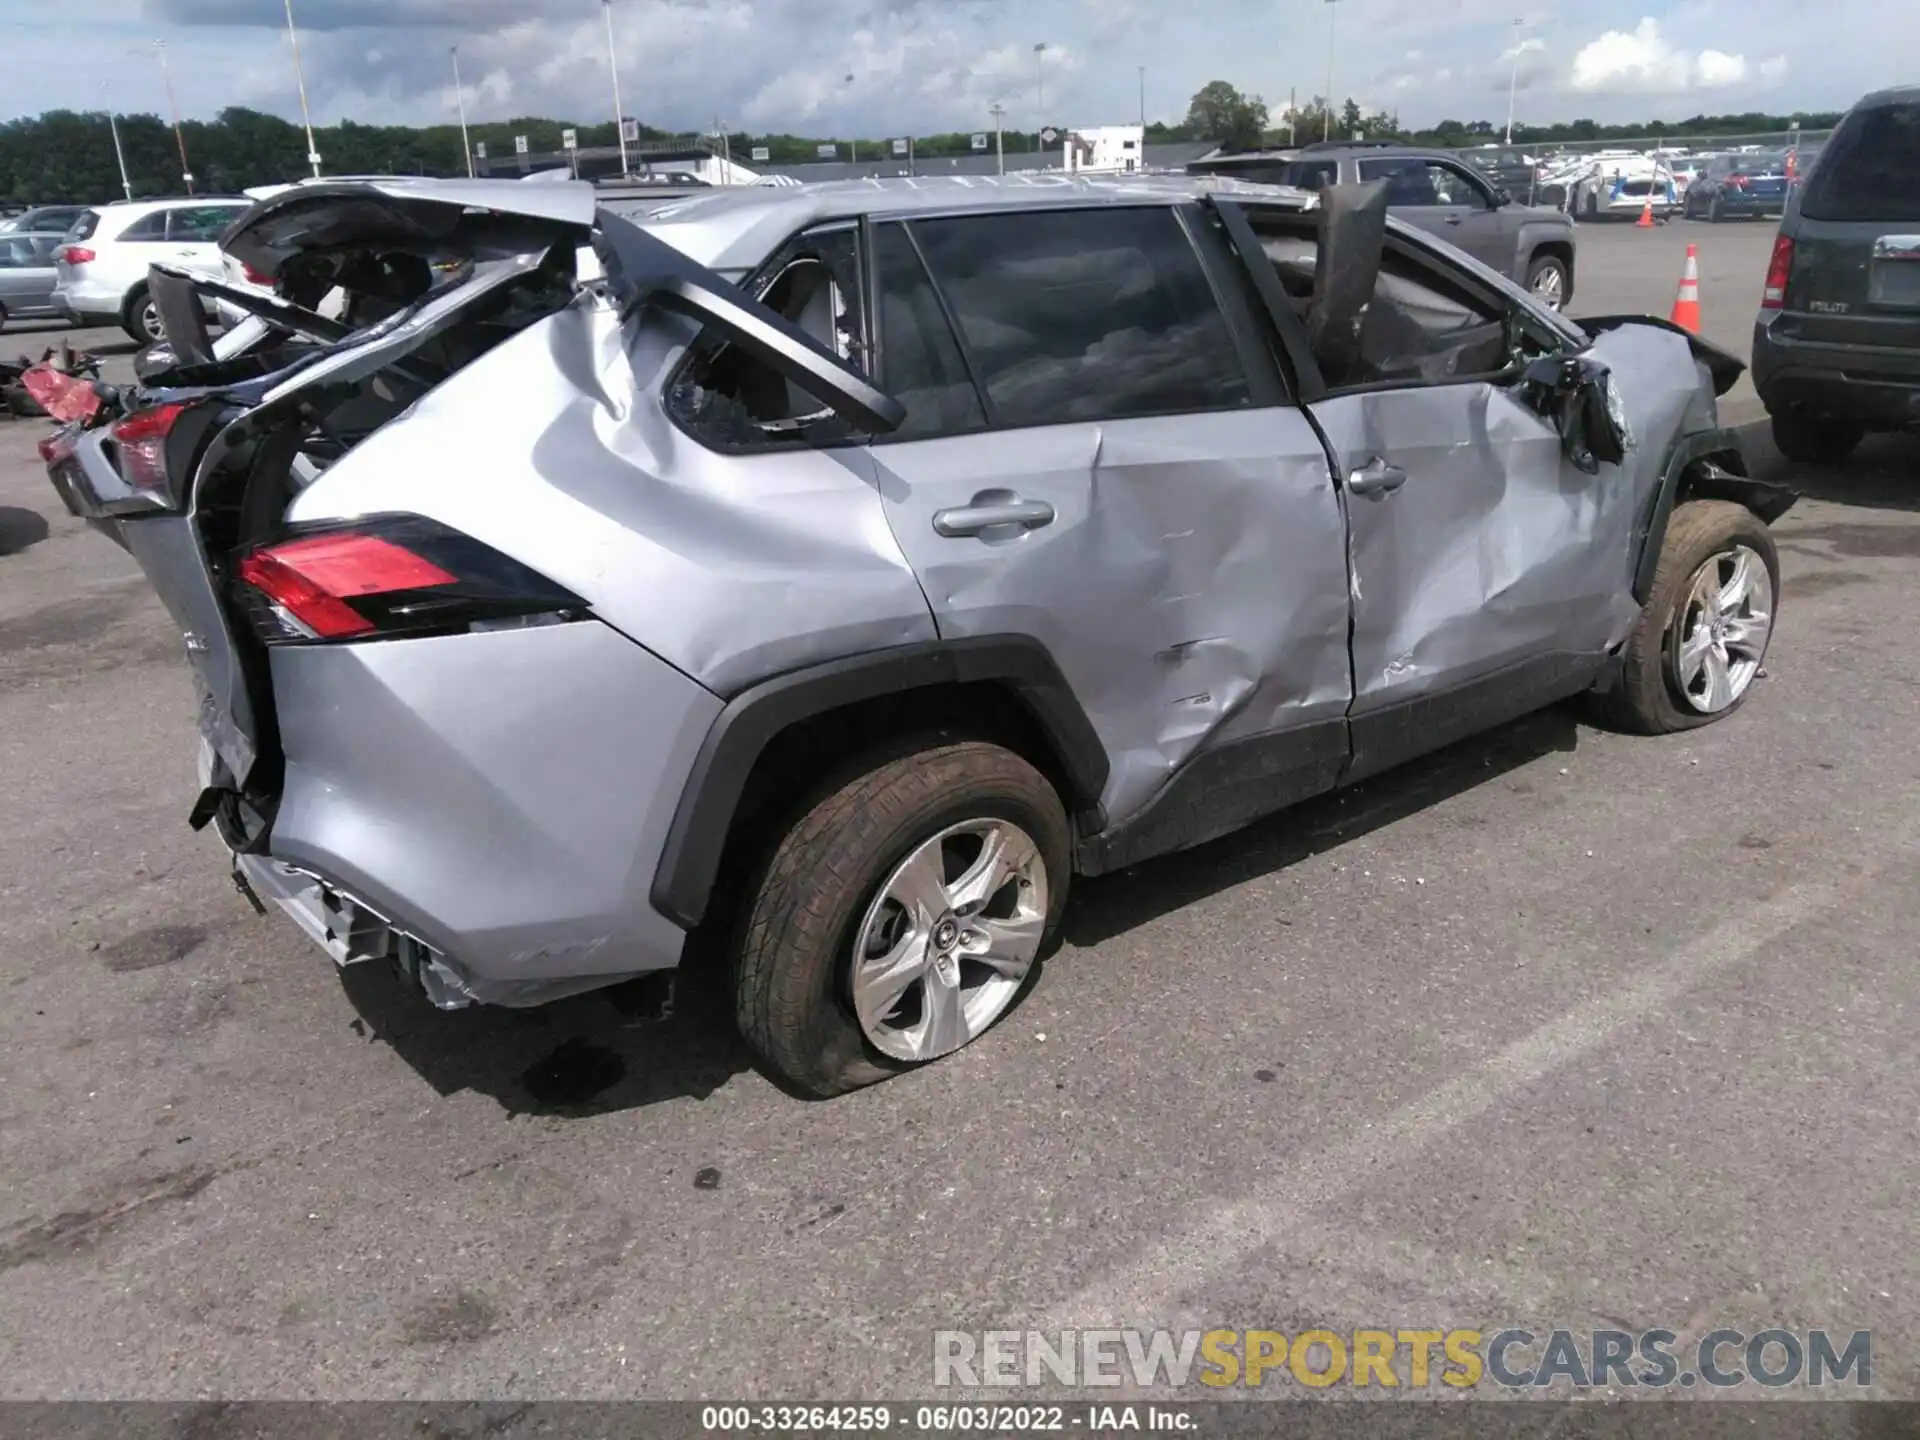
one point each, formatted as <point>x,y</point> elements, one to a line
<point>1726,481</point>
<point>696,840</point>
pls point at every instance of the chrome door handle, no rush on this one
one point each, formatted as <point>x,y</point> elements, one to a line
<point>1376,477</point>
<point>987,514</point>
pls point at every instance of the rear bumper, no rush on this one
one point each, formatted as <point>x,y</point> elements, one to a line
<point>1733,203</point>
<point>1874,385</point>
<point>86,304</point>
<point>487,808</point>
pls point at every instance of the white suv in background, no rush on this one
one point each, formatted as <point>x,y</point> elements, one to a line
<point>102,265</point>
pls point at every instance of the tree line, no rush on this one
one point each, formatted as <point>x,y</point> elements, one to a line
<point>64,155</point>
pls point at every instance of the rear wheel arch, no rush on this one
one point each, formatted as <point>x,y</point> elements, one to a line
<point>137,299</point>
<point>777,742</point>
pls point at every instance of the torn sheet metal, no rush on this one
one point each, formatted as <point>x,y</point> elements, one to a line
<point>1499,548</point>
<point>729,567</point>
<point>1192,584</point>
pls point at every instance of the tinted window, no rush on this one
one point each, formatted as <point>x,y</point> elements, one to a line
<point>1085,314</point>
<point>1422,182</point>
<point>1313,174</point>
<point>84,227</point>
<point>1870,169</point>
<point>920,360</point>
<point>203,222</point>
<point>147,227</point>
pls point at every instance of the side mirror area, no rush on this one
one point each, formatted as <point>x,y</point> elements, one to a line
<point>1576,393</point>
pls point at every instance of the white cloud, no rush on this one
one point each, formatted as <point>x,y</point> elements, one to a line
<point>1627,60</point>
<point>1532,46</point>
<point>1773,69</point>
<point>1716,69</point>
<point>1642,61</point>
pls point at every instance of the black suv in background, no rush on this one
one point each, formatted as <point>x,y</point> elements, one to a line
<point>1439,192</point>
<point>1836,350</point>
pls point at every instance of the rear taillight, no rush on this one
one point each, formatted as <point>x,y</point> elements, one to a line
<point>390,576</point>
<point>1779,271</point>
<point>141,442</point>
<point>312,580</point>
<point>75,255</point>
<point>1736,182</point>
<point>254,277</point>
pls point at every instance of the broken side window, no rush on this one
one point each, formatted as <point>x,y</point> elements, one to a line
<point>1417,328</point>
<point>729,398</point>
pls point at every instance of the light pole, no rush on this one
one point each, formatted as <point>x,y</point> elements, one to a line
<point>460,99</point>
<point>1326,132</point>
<point>613,67</point>
<point>1039,96</point>
<point>173,105</point>
<point>1513,82</point>
<point>1143,108</point>
<point>998,111</point>
<point>119,155</point>
<point>300,79</point>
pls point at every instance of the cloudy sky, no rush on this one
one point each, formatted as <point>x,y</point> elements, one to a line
<point>876,67</point>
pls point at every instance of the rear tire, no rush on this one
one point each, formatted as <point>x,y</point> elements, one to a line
<point>142,318</point>
<point>1652,697</point>
<point>1716,211</point>
<point>1812,440</point>
<point>3,317</point>
<point>816,899</point>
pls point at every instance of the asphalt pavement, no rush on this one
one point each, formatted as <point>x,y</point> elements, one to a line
<point>1557,1028</point>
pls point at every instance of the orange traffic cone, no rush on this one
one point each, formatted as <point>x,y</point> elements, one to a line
<point>1645,222</point>
<point>1686,305</point>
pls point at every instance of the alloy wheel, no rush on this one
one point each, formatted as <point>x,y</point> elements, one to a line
<point>1718,638</point>
<point>949,939</point>
<point>1550,287</point>
<point>149,318</point>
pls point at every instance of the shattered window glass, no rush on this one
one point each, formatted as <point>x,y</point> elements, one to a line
<point>733,399</point>
<point>1416,328</point>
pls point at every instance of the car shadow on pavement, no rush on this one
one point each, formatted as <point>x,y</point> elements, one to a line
<point>1110,905</point>
<point>610,1050</point>
<point>21,529</point>
<point>1883,474</point>
<point>605,1051</point>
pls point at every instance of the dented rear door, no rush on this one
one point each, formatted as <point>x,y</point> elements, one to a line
<point>1100,462</point>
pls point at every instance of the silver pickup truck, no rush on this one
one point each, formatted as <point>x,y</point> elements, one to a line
<point>1437,191</point>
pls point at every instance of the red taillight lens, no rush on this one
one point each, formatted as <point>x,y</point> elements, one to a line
<point>1736,182</point>
<point>75,255</point>
<point>254,277</point>
<point>1779,271</point>
<point>311,579</point>
<point>142,442</point>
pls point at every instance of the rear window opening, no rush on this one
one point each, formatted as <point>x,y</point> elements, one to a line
<point>1870,169</point>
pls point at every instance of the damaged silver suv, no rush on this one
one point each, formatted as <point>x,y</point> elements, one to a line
<point>836,572</point>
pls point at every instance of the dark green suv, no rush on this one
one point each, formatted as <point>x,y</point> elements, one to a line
<point>1836,350</point>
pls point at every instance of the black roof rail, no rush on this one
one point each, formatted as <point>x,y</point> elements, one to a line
<point>1360,145</point>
